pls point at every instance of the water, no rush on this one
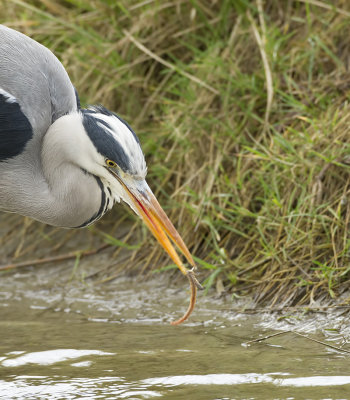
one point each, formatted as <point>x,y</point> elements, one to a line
<point>75,341</point>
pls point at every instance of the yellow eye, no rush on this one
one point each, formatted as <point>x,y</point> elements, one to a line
<point>111,163</point>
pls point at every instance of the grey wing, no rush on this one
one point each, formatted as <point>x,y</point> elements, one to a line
<point>31,74</point>
<point>15,128</point>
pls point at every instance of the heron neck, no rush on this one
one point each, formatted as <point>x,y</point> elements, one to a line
<point>74,196</point>
<point>41,184</point>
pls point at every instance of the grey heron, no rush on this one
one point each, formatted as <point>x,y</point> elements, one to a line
<point>62,164</point>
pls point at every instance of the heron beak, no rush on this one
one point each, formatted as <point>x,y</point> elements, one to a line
<point>141,199</point>
<point>147,206</point>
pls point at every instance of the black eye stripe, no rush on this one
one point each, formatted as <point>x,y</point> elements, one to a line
<point>104,142</point>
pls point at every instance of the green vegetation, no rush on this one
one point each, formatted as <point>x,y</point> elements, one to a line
<point>242,108</point>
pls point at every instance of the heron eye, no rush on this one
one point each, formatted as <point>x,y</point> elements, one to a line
<point>111,163</point>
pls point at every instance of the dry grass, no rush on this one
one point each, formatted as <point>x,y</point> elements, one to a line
<point>242,108</point>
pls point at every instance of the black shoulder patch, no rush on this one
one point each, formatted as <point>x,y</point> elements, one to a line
<point>103,141</point>
<point>15,128</point>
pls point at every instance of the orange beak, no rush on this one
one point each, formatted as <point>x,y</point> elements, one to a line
<point>154,217</point>
<point>141,199</point>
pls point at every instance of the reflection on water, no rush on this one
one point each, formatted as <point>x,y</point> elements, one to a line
<point>240,379</point>
<point>41,387</point>
<point>47,357</point>
<point>115,342</point>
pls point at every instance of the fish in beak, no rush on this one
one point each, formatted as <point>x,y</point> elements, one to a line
<point>142,200</point>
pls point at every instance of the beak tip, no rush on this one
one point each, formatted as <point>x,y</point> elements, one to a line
<point>192,277</point>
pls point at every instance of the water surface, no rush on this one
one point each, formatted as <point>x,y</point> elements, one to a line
<point>71,340</point>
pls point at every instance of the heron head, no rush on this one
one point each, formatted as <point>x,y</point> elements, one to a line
<point>119,162</point>
<point>115,141</point>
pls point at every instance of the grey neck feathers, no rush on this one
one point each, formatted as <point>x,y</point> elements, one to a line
<point>44,185</point>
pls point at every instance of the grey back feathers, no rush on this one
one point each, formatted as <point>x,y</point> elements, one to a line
<point>42,128</point>
<point>35,77</point>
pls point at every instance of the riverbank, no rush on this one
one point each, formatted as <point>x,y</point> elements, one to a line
<point>242,111</point>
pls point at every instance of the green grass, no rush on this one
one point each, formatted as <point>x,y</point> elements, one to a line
<point>242,108</point>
